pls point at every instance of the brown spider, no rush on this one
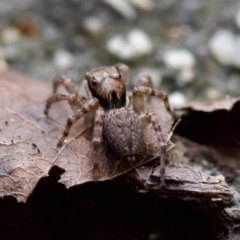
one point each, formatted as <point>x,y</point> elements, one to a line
<point>120,125</point>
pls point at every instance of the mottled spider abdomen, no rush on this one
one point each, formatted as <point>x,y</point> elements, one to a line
<point>123,132</point>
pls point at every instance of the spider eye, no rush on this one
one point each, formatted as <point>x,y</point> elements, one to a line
<point>94,82</point>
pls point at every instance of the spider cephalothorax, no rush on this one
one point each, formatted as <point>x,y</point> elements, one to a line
<point>113,120</point>
<point>107,86</point>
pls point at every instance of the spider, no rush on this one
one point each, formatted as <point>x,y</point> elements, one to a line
<point>108,110</point>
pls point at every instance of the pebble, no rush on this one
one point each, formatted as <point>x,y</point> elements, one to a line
<point>229,55</point>
<point>50,33</point>
<point>223,46</point>
<point>236,59</point>
<point>93,26</point>
<point>136,44</point>
<point>10,35</point>
<point>179,59</point>
<point>177,98</point>
<point>63,59</point>
<point>183,62</point>
<point>213,93</point>
<point>127,7</point>
<point>145,5</point>
<point>185,76</point>
<point>123,8</point>
<point>12,52</point>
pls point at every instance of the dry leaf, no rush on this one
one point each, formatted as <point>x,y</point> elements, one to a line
<point>196,172</point>
<point>225,104</point>
<point>213,124</point>
<point>28,140</point>
<point>188,183</point>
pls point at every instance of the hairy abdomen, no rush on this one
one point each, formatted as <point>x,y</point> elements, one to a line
<point>123,132</point>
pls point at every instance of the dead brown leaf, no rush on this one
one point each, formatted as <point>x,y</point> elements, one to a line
<point>189,183</point>
<point>196,172</point>
<point>225,104</point>
<point>28,140</point>
<point>214,124</point>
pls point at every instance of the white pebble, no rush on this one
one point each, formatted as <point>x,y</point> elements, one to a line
<point>63,59</point>
<point>179,59</point>
<point>146,5</point>
<point>123,8</point>
<point>223,46</point>
<point>140,41</point>
<point>185,76</point>
<point>93,25</point>
<point>213,93</point>
<point>11,51</point>
<point>119,47</point>
<point>136,44</point>
<point>176,99</point>
<point>236,59</point>
<point>50,33</point>
<point>10,35</point>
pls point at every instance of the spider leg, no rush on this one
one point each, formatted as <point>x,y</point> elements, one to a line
<point>138,100</point>
<point>145,81</point>
<point>73,98</point>
<point>98,130</point>
<point>68,84</point>
<point>89,106</point>
<point>151,118</point>
<point>57,97</point>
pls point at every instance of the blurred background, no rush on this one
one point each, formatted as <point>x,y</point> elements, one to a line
<point>191,48</point>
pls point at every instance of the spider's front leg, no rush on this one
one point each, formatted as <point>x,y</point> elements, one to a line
<point>98,130</point>
<point>72,98</point>
<point>67,83</point>
<point>89,106</point>
<point>145,81</point>
<point>138,101</point>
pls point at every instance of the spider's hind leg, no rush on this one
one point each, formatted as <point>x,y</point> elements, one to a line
<point>151,118</point>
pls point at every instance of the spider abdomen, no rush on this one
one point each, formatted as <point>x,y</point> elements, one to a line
<point>123,132</point>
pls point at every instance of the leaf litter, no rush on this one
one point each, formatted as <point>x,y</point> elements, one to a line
<point>28,149</point>
<point>28,141</point>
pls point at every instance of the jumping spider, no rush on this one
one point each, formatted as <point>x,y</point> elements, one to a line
<point>109,112</point>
